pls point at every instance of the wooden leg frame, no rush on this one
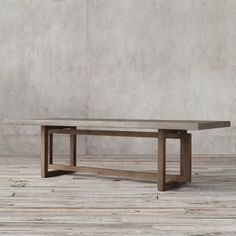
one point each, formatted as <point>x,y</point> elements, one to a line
<point>165,181</point>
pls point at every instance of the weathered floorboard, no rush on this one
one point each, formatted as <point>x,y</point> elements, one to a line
<point>75,204</point>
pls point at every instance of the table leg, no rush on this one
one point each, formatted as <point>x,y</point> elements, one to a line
<point>44,151</point>
<point>186,156</point>
<point>161,160</point>
<point>73,148</point>
<point>50,148</point>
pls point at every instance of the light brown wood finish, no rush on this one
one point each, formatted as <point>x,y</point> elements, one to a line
<point>108,172</point>
<point>119,133</point>
<point>161,160</point>
<point>171,134</point>
<point>114,172</point>
<point>186,156</point>
<point>44,151</point>
<point>73,148</point>
<point>50,148</point>
<point>129,174</point>
<point>164,181</point>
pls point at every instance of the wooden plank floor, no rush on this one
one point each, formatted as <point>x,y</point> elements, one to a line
<point>84,205</point>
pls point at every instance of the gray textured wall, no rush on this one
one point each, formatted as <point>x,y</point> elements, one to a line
<point>160,59</point>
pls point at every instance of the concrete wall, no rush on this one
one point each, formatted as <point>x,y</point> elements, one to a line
<point>43,66</point>
<point>118,59</point>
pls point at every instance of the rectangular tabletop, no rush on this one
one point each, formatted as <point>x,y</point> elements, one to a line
<point>122,123</point>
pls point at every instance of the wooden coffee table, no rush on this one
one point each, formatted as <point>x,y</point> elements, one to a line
<point>158,129</point>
